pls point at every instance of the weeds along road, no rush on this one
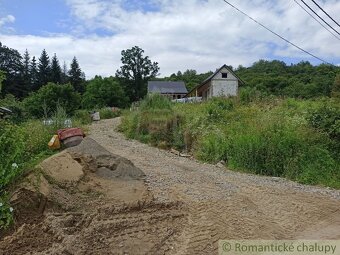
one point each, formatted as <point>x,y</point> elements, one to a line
<point>221,204</point>
<point>180,207</point>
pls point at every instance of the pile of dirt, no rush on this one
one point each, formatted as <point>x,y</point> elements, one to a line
<point>70,187</point>
<point>96,158</point>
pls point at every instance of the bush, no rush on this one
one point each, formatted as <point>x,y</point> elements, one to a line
<point>83,116</point>
<point>108,113</point>
<point>154,122</point>
<point>155,102</point>
<point>102,92</point>
<point>20,145</point>
<point>15,106</point>
<point>327,119</point>
<point>218,107</point>
<point>43,102</point>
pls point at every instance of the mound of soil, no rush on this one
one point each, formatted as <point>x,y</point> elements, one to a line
<point>97,159</point>
<point>59,202</point>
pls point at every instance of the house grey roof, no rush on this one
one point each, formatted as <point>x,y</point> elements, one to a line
<point>167,87</point>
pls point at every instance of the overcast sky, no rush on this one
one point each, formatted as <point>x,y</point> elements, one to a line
<point>178,34</point>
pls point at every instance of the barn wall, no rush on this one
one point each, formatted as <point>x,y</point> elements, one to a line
<point>224,88</point>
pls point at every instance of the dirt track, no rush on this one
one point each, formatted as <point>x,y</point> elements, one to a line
<point>182,207</point>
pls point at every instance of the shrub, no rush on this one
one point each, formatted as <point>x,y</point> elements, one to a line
<point>49,97</point>
<point>154,122</point>
<point>218,107</point>
<point>102,92</point>
<point>15,106</point>
<point>20,145</point>
<point>12,151</point>
<point>249,94</point>
<point>108,113</point>
<point>155,102</point>
<point>327,119</point>
<point>129,124</point>
<point>83,116</point>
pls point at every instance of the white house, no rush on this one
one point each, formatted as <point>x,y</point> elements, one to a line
<point>224,82</point>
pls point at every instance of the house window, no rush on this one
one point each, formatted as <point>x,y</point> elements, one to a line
<point>224,75</point>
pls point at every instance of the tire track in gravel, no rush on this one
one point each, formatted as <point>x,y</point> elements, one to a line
<point>222,204</point>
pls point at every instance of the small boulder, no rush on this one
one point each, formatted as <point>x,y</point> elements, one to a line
<point>221,164</point>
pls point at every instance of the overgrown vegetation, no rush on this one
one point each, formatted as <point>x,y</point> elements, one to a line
<point>292,138</point>
<point>101,92</point>
<point>23,143</point>
<point>301,80</point>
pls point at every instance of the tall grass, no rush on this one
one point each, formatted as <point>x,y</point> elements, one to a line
<point>290,138</point>
<point>154,122</point>
<point>20,146</point>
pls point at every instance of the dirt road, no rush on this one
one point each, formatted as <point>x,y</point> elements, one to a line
<point>181,207</point>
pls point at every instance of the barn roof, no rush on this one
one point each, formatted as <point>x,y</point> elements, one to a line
<point>218,70</point>
<point>167,87</point>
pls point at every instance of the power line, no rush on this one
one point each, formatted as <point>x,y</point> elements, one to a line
<point>276,33</point>
<point>316,20</point>
<point>325,12</point>
<point>320,17</point>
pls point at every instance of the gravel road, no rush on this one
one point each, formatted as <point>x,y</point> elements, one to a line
<point>224,204</point>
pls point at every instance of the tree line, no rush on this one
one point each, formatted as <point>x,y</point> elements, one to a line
<point>301,80</point>
<point>25,74</point>
<point>43,83</point>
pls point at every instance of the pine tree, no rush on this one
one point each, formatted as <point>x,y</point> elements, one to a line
<point>55,70</point>
<point>64,74</point>
<point>34,74</point>
<point>26,72</point>
<point>44,69</point>
<point>76,76</point>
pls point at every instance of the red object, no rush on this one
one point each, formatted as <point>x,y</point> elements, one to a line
<point>69,132</point>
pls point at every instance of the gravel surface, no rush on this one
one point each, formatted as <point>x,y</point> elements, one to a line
<point>166,170</point>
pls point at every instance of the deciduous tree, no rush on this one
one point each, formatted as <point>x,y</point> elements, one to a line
<point>135,72</point>
<point>101,92</point>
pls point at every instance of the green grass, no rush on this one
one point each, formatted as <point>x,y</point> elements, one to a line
<point>22,146</point>
<point>296,139</point>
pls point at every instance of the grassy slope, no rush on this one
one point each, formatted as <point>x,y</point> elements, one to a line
<point>270,137</point>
